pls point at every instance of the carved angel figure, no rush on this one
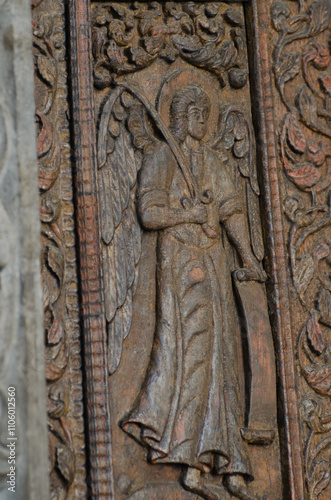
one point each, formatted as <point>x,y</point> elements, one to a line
<point>190,409</point>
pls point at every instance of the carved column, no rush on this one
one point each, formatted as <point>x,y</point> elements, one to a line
<point>21,318</point>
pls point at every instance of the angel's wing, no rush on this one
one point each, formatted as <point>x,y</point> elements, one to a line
<point>123,135</point>
<point>235,144</point>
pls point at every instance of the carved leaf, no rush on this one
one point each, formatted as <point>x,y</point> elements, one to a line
<point>232,16</point>
<point>311,414</point>
<point>227,54</point>
<point>98,42</point>
<point>169,53</point>
<point>320,12</point>
<point>318,54</point>
<point>303,274</point>
<point>153,44</point>
<point>116,56</point>
<point>306,104</point>
<point>49,154</point>
<point>150,17</point>
<point>47,69</point>
<point>318,377</point>
<point>304,176</point>
<point>114,127</point>
<point>55,260</point>
<point>315,153</point>
<point>244,166</point>
<point>321,477</point>
<point>291,206</point>
<point>66,463</point>
<point>241,148</point>
<point>288,67</point>
<point>280,11</point>
<point>295,135</point>
<point>210,28</point>
<point>56,361</point>
<point>55,332</point>
<point>324,306</point>
<point>314,333</point>
<point>239,127</point>
<point>58,400</point>
<point>321,251</point>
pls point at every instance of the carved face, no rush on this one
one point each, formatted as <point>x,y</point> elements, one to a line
<point>189,112</point>
<point>197,117</point>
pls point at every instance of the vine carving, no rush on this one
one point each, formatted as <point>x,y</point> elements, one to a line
<point>301,65</point>
<point>61,450</point>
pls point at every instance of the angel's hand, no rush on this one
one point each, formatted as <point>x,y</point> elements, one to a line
<point>252,263</point>
<point>198,214</point>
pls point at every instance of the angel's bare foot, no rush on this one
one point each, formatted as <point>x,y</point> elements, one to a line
<point>236,485</point>
<point>192,481</point>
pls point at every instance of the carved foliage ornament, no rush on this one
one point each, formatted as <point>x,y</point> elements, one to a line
<point>61,454</point>
<point>128,37</point>
<point>302,70</point>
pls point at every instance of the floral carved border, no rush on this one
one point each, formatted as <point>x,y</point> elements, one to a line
<point>58,258</point>
<point>301,66</point>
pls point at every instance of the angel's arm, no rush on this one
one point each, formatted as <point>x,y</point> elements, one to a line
<point>154,207</point>
<point>156,213</point>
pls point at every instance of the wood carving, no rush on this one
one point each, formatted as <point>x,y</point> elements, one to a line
<point>65,451</point>
<point>127,38</point>
<point>302,76</point>
<point>179,175</point>
<point>57,348</point>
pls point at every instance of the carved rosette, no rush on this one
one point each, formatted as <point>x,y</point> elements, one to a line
<point>302,75</point>
<point>58,260</point>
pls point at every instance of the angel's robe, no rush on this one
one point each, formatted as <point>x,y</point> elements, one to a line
<point>190,408</point>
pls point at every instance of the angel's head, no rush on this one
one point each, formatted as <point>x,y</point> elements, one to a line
<point>189,112</point>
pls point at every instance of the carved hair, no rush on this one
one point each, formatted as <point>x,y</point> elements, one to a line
<point>180,103</point>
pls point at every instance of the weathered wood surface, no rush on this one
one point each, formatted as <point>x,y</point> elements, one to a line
<point>144,57</point>
<point>255,80</point>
